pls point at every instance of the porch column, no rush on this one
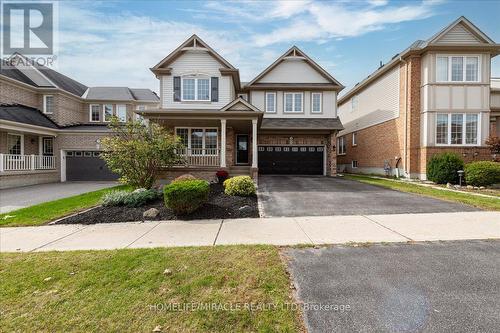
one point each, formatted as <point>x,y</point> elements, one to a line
<point>254,143</point>
<point>223,143</point>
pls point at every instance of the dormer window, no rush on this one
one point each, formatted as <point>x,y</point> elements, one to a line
<point>195,89</point>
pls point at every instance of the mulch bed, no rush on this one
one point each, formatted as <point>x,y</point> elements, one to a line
<point>219,206</point>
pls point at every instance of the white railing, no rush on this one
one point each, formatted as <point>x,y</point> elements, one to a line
<point>200,157</point>
<point>12,162</point>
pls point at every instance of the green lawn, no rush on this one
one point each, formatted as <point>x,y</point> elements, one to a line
<point>126,290</point>
<point>465,198</point>
<point>49,211</point>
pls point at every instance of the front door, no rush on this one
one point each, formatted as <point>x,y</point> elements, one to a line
<point>242,149</point>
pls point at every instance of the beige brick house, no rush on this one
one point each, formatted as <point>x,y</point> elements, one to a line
<point>284,121</point>
<point>51,125</point>
<point>435,96</point>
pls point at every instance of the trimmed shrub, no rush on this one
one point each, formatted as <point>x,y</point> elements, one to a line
<point>186,196</point>
<point>183,178</point>
<point>136,198</point>
<point>482,173</point>
<point>442,168</point>
<point>241,185</point>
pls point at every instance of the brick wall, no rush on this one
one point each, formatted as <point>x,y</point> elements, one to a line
<point>15,94</point>
<point>414,109</point>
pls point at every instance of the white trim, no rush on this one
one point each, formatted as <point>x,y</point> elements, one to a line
<point>117,106</point>
<point>15,126</point>
<point>320,102</point>
<point>63,165</point>
<point>464,67</point>
<point>275,101</point>
<point>45,104</point>
<point>196,78</point>
<point>354,138</point>
<point>293,102</point>
<point>464,130</point>
<point>344,152</point>
<point>90,113</point>
<point>22,142</point>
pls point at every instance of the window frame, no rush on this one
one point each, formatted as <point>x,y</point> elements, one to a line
<point>104,119</point>
<point>90,113</point>
<point>45,111</point>
<point>464,67</point>
<point>464,130</point>
<point>320,102</point>
<point>45,139</point>
<point>354,103</point>
<point>21,150</point>
<point>354,139</point>
<point>116,112</point>
<point>352,164</point>
<point>196,78</point>
<point>341,145</point>
<point>293,102</point>
<point>203,144</point>
<point>275,101</point>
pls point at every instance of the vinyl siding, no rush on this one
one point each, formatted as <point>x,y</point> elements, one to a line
<point>458,35</point>
<point>200,63</point>
<point>495,100</point>
<point>377,103</point>
<point>293,71</point>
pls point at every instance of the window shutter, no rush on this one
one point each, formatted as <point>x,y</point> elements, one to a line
<point>215,89</point>
<point>177,88</point>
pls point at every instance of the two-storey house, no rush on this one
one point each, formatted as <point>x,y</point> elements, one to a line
<point>282,122</point>
<point>433,97</point>
<point>51,125</point>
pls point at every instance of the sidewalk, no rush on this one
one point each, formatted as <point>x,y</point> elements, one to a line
<point>277,231</point>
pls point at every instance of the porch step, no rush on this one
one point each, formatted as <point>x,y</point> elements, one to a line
<point>239,171</point>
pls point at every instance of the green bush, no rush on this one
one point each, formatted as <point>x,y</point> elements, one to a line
<point>482,173</point>
<point>442,168</point>
<point>240,185</point>
<point>136,198</point>
<point>186,196</point>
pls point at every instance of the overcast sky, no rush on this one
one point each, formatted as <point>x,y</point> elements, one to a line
<point>114,43</point>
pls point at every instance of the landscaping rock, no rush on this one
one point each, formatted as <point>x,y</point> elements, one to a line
<point>470,187</point>
<point>482,187</point>
<point>448,185</point>
<point>245,209</point>
<point>476,187</point>
<point>151,213</point>
<point>167,271</point>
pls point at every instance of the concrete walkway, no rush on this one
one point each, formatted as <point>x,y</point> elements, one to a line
<point>277,231</point>
<point>20,197</point>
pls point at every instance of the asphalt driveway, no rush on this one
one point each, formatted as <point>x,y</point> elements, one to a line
<point>423,287</point>
<point>20,197</point>
<point>324,196</point>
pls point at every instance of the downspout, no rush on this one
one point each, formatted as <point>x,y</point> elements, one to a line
<point>405,152</point>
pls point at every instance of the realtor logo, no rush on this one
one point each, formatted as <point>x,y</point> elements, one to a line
<point>27,28</point>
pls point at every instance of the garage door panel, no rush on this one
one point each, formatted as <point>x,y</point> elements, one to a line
<point>87,168</point>
<point>298,160</point>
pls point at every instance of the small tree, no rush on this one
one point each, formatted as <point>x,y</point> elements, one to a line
<point>494,143</point>
<point>136,152</point>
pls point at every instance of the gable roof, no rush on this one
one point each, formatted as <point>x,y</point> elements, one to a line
<point>26,115</point>
<point>421,46</point>
<point>120,94</point>
<point>191,43</point>
<point>295,52</point>
<point>239,104</point>
<point>461,24</point>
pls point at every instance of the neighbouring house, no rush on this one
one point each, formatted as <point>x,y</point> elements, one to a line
<point>51,125</point>
<point>436,96</point>
<point>284,121</point>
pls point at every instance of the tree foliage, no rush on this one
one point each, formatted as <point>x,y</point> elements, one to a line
<point>136,152</point>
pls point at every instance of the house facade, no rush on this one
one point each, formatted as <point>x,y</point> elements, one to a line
<point>435,96</point>
<point>282,122</point>
<point>51,125</point>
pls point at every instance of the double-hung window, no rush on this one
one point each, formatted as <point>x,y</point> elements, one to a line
<point>48,104</point>
<point>271,102</point>
<point>198,141</point>
<point>354,103</point>
<point>121,112</point>
<point>195,89</point>
<point>293,102</point>
<point>316,102</point>
<point>457,69</point>
<point>341,146</point>
<point>48,146</point>
<point>95,112</point>
<point>15,144</point>
<point>108,112</point>
<point>457,129</point>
